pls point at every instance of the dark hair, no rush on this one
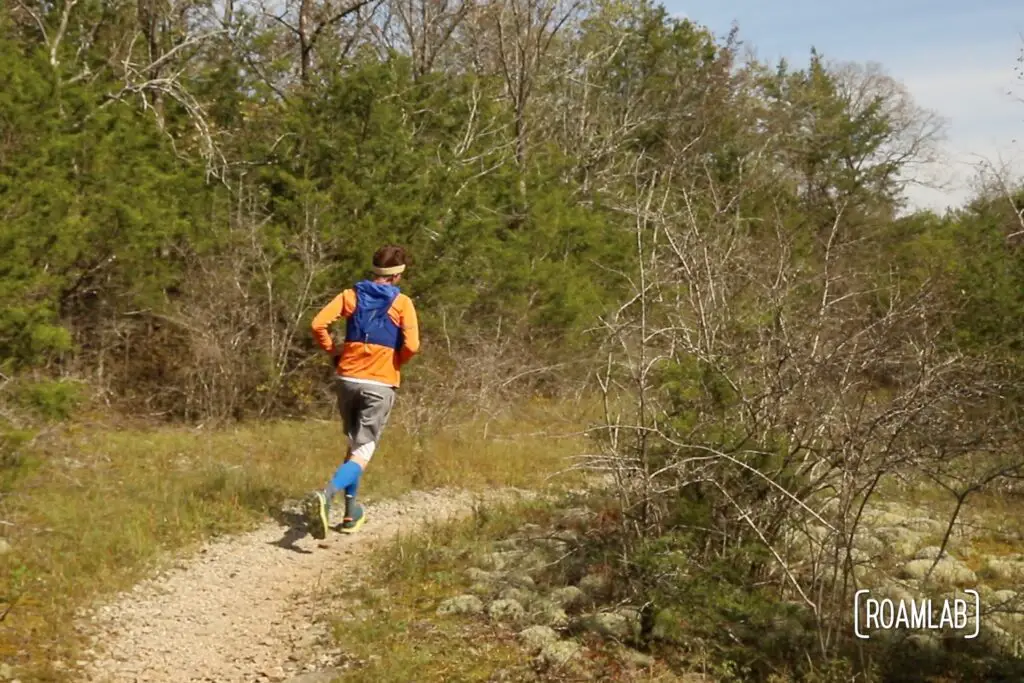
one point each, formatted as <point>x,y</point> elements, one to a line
<point>389,256</point>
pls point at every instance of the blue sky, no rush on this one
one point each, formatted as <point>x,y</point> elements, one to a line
<point>956,57</point>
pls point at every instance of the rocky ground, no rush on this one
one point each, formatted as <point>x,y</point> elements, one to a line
<point>504,590</point>
<point>898,554</point>
<point>556,624</point>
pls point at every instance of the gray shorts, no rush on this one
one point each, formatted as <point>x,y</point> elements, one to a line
<point>364,409</point>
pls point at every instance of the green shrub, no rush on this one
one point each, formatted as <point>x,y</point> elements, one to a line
<point>48,400</point>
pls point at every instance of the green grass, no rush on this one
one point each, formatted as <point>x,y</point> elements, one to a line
<point>97,508</point>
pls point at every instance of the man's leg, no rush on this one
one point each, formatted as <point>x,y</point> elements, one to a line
<point>374,409</point>
<point>318,504</point>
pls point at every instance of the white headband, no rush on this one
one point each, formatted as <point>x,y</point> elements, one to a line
<point>393,270</point>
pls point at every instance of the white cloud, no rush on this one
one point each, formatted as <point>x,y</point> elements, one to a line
<point>980,102</point>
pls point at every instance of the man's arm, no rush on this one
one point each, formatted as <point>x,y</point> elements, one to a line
<point>410,333</point>
<point>339,307</point>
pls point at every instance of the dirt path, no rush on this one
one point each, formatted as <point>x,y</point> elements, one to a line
<point>244,608</point>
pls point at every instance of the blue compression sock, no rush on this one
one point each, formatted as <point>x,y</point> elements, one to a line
<point>346,478</point>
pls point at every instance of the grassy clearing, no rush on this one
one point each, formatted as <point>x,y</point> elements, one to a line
<point>94,509</point>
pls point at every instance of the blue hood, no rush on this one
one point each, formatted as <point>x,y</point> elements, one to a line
<point>374,297</point>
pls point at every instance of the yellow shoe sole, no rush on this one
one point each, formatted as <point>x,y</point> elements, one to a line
<point>355,527</point>
<point>316,516</point>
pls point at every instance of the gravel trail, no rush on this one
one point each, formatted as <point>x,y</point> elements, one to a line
<point>245,608</point>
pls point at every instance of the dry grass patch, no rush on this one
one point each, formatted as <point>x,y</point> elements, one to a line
<point>95,509</point>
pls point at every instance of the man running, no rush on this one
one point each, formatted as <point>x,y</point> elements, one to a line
<point>382,335</point>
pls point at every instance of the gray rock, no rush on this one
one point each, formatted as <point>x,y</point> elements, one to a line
<point>499,561</point>
<point>559,653</point>
<point>635,658</point>
<point>929,553</point>
<point>521,580</point>
<point>555,616</point>
<point>947,572</point>
<point>519,595</point>
<point>1003,569</point>
<point>1010,623</point>
<point>882,518</point>
<point>480,575</point>
<point>858,556</point>
<point>1007,605</point>
<point>630,613</point>
<point>924,525</point>
<point>805,542</point>
<point>534,561</point>
<point>900,542</point>
<point>896,592</point>
<point>536,637</point>
<point>461,604</point>
<point>869,544</point>
<point>506,610</point>
<point>549,613</point>
<point>567,596</point>
<point>508,543</point>
<point>609,624</point>
<point>5,546</point>
<point>6,671</point>
<point>594,583</point>
<point>481,588</point>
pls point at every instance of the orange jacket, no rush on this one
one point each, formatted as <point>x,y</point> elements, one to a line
<point>360,360</point>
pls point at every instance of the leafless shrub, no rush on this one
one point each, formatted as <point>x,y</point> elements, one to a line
<point>781,379</point>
